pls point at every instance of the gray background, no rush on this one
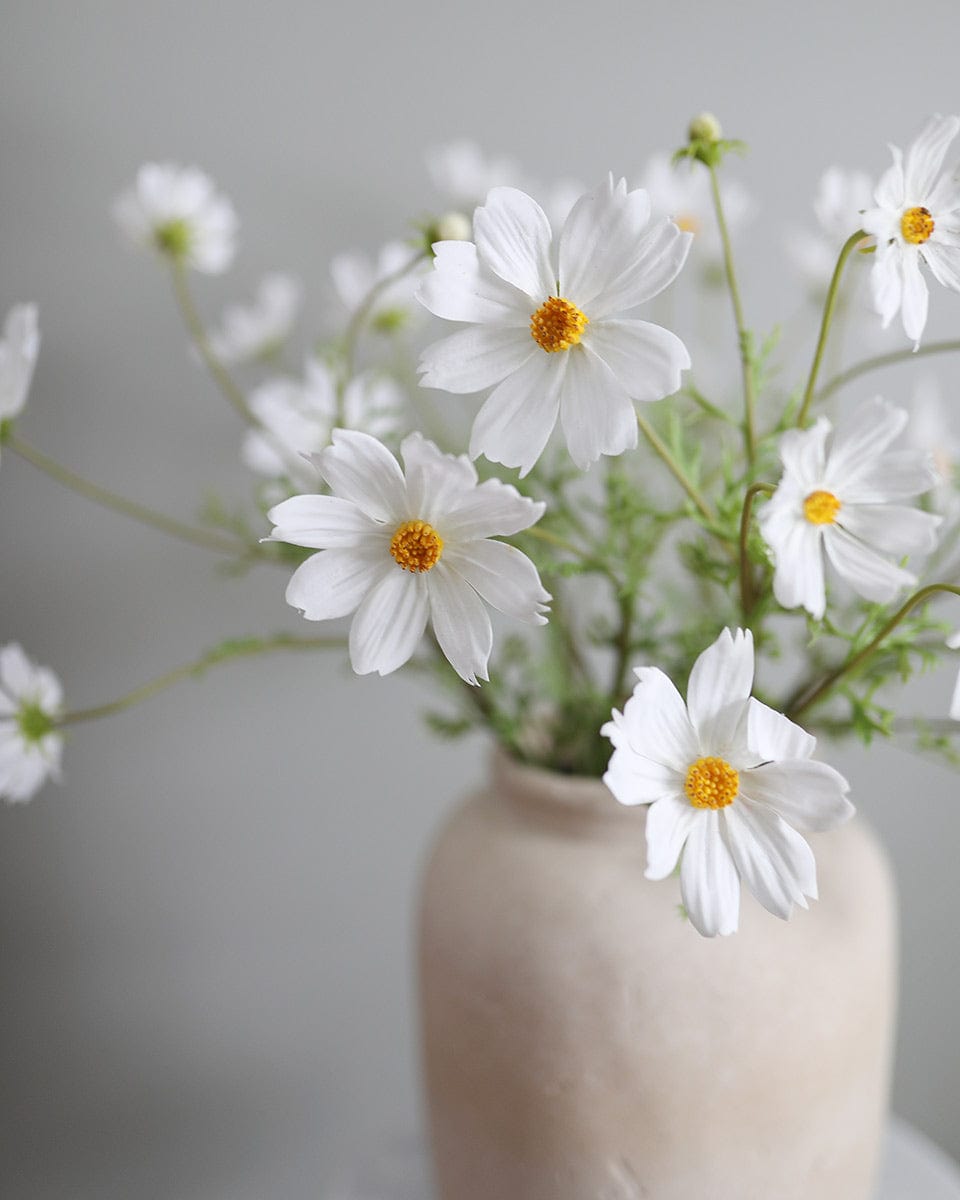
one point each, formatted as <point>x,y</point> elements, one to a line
<point>206,931</point>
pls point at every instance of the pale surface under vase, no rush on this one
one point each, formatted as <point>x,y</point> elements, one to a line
<point>582,1042</point>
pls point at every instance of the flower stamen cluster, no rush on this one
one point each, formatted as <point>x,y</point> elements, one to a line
<point>416,546</point>
<point>557,325</point>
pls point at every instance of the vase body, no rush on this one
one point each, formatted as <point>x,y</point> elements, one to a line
<point>582,1042</point>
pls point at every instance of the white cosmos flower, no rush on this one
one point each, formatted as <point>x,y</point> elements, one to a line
<point>255,330</point>
<point>298,417</point>
<point>463,174</point>
<point>176,211</point>
<point>547,323</point>
<point>839,496</point>
<point>355,275</point>
<point>729,782</point>
<point>19,347</point>
<point>681,191</point>
<point>916,219</point>
<point>30,747</point>
<point>401,547</point>
<point>841,198</point>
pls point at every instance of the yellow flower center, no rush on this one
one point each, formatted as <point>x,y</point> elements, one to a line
<point>916,225</point>
<point>557,325</point>
<point>416,546</point>
<point>687,222</point>
<point>712,783</point>
<point>821,508</point>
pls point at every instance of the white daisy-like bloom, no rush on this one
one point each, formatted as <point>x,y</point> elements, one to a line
<point>19,347</point>
<point>355,275</point>
<point>297,418</point>
<point>681,191</point>
<point>400,548</point>
<point>463,174</point>
<point>256,330</point>
<point>178,212</point>
<point>729,782</point>
<point>841,198</point>
<point>839,496</point>
<point>548,325</point>
<point>933,429</point>
<point>916,219</point>
<point>30,746</point>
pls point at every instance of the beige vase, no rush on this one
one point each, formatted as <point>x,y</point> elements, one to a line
<point>582,1042</point>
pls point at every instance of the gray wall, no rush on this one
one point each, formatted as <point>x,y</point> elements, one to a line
<point>206,929</point>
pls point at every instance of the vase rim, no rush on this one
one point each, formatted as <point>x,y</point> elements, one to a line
<point>540,785</point>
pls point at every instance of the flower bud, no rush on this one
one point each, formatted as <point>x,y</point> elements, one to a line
<point>453,227</point>
<point>705,128</point>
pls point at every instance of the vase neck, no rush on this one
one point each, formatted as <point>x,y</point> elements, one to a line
<point>541,794</point>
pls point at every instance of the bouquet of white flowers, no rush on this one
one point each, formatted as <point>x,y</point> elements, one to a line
<point>719,533</point>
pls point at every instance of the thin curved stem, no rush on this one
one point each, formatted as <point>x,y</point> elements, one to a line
<point>883,360</point>
<point>198,335</point>
<point>743,336</point>
<point>663,450</point>
<point>747,598</point>
<point>358,319</point>
<point>225,652</point>
<point>806,701</point>
<point>206,538</point>
<point>829,306</point>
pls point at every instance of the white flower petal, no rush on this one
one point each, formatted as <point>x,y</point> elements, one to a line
<point>892,528</point>
<point>513,239</point>
<point>653,266</point>
<point>359,468</point>
<point>23,777</point>
<point>955,701</point>
<point>319,522</point>
<point>669,822</point>
<point>915,298</point>
<point>389,624</point>
<point>18,676</point>
<point>503,576</point>
<point>773,737</point>
<point>709,883</point>
<point>773,860</point>
<point>516,420</point>
<point>461,623</point>
<point>655,723</point>
<point>803,453</point>
<point>632,778</point>
<point>597,415</point>
<point>719,688</point>
<point>798,561</point>
<point>460,288</point>
<point>646,359</point>
<point>925,157</point>
<point>870,575</point>
<point>860,437</point>
<point>886,280</point>
<point>494,509</point>
<point>437,483</point>
<point>19,348</point>
<point>808,795</point>
<point>333,583</point>
<point>894,475</point>
<point>944,263</point>
<point>476,358</point>
<point>890,189</point>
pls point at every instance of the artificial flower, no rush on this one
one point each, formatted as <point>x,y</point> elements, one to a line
<point>355,276</point>
<point>840,200</point>
<point>838,497</point>
<point>176,211</point>
<point>916,219</point>
<point>297,418</point>
<point>547,323</point>
<point>259,329</point>
<point>729,782</point>
<point>19,347</point>
<point>30,746</point>
<point>400,547</point>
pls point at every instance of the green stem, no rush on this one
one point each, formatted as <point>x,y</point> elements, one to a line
<point>129,508</point>
<point>198,335</point>
<point>358,319</point>
<point>883,360</point>
<point>829,306</point>
<point>806,701</point>
<point>743,336</point>
<point>225,652</point>
<point>746,577</point>
<point>663,450</point>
